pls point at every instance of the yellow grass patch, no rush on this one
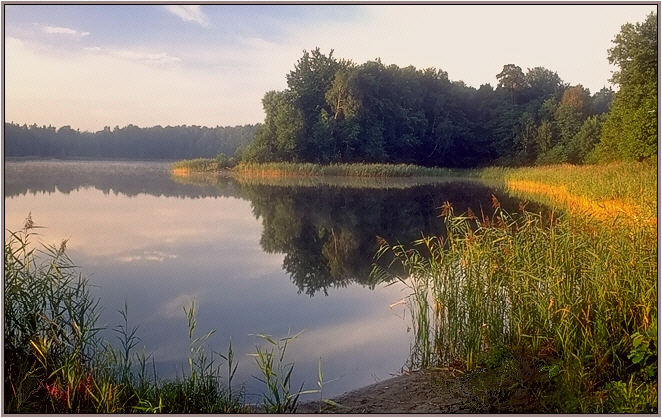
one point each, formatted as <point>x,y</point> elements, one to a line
<point>603,210</point>
<point>269,173</point>
<point>181,171</point>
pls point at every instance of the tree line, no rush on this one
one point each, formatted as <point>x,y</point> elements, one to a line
<point>129,142</point>
<point>334,110</point>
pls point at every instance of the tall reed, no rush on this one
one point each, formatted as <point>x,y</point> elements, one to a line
<point>56,361</point>
<point>573,295</point>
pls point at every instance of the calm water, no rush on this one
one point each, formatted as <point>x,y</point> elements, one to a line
<point>268,259</point>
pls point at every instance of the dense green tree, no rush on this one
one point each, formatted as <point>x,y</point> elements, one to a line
<point>630,130</point>
<point>541,84</point>
<point>526,137</point>
<point>585,140</point>
<point>276,139</point>
<point>513,79</point>
<point>574,107</point>
<point>545,136</point>
<point>601,101</point>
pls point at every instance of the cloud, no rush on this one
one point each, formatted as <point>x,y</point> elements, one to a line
<point>189,13</point>
<point>158,256</point>
<point>60,30</point>
<point>157,58</point>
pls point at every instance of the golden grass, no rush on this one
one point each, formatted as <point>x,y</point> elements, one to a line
<point>181,171</point>
<point>604,210</point>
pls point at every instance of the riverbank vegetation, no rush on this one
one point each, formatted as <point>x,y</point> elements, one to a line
<point>56,360</point>
<point>567,299</point>
<point>569,303</point>
<point>614,193</point>
<point>284,169</point>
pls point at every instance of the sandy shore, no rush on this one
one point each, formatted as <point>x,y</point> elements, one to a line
<point>431,392</point>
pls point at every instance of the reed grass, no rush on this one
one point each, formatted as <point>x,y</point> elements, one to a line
<point>575,298</point>
<point>283,169</point>
<point>56,362</point>
<point>279,397</point>
<point>195,165</point>
<point>619,189</point>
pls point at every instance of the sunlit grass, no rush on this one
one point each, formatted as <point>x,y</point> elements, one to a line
<point>621,189</point>
<point>184,167</point>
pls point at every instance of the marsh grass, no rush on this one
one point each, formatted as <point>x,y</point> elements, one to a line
<point>56,362</point>
<point>574,299</point>
<point>195,165</point>
<point>625,189</point>
<point>282,169</point>
<point>280,397</point>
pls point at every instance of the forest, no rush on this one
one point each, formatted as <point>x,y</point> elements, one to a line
<point>129,142</point>
<point>335,110</point>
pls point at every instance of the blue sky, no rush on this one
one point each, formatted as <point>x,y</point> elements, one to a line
<point>89,66</point>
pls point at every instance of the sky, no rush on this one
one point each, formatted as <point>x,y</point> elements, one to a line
<point>90,66</point>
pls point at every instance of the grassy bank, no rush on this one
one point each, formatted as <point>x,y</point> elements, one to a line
<point>609,192</point>
<point>197,165</point>
<point>569,302</point>
<point>282,169</point>
<point>56,362</point>
<point>349,170</point>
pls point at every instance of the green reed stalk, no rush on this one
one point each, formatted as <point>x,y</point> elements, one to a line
<point>570,294</point>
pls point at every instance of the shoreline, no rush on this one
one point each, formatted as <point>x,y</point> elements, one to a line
<point>434,391</point>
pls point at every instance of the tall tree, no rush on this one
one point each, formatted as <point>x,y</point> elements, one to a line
<point>630,130</point>
<point>512,78</point>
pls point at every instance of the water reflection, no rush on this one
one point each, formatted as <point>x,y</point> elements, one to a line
<point>327,229</point>
<point>330,234</point>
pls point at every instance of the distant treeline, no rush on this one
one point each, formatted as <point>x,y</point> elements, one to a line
<point>334,110</point>
<point>130,142</point>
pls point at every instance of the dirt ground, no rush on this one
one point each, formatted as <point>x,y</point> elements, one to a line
<point>432,392</point>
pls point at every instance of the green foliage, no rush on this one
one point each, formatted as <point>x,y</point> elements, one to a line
<point>352,170</point>
<point>335,111</point>
<point>566,291</point>
<point>55,362</point>
<point>630,131</point>
<point>279,397</point>
<point>585,140</point>
<point>644,351</point>
<point>197,164</point>
<point>222,161</point>
<point>630,397</point>
<point>557,155</point>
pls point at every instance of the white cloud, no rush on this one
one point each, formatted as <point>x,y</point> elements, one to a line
<point>60,30</point>
<point>189,13</point>
<point>157,58</point>
<point>158,256</point>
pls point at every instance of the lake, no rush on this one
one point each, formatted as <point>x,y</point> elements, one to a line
<point>273,258</point>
